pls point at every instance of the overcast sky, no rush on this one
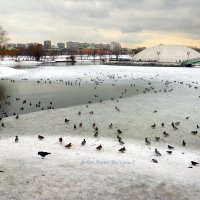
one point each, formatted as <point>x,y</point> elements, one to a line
<point>130,22</point>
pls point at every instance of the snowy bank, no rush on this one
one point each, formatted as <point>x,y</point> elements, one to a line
<point>82,172</point>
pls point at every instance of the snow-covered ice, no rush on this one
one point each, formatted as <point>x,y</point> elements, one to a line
<point>82,172</point>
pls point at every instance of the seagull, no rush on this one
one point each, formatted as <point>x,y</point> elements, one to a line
<point>147,141</point>
<point>16,139</point>
<point>69,145</point>
<point>40,137</point>
<point>43,154</point>
<point>122,149</point>
<point>157,152</point>
<point>83,142</point>
<point>99,147</point>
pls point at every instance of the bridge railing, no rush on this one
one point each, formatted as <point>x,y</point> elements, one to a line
<point>192,60</point>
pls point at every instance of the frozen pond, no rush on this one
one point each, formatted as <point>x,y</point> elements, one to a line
<point>28,96</point>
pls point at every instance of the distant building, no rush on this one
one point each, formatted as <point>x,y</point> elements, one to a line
<point>115,46</point>
<point>72,45</point>
<point>47,44</point>
<point>166,54</point>
<point>78,46</point>
<point>61,45</point>
<point>20,45</point>
<point>11,45</point>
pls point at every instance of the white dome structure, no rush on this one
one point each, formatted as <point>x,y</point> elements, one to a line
<point>166,54</point>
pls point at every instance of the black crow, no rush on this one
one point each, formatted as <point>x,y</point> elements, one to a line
<point>40,137</point>
<point>157,138</point>
<point>154,160</point>
<point>122,149</point>
<point>43,154</point>
<point>183,143</point>
<point>147,141</point>
<point>83,142</point>
<point>66,120</point>
<point>119,131</point>
<point>60,140</point>
<point>165,134</point>
<point>169,152</point>
<point>194,163</point>
<point>194,132</point>
<point>157,152</point>
<point>96,134</point>
<point>69,145</point>
<point>119,138</point>
<point>170,147</point>
<point>16,139</point>
<point>99,147</point>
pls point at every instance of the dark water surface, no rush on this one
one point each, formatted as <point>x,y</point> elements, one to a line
<point>27,96</point>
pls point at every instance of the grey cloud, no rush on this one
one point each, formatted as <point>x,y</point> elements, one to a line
<point>69,19</point>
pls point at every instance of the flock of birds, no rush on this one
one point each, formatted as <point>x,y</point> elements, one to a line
<point>97,81</point>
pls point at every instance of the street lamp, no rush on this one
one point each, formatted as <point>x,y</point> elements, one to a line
<point>158,53</point>
<point>188,53</point>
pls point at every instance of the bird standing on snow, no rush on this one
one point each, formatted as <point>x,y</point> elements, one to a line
<point>16,139</point>
<point>99,147</point>
<point>183,143</point>
<point>60,140</point>
<point>194,163</point>
<point>170,147</point>
<point>43,154</point>
<point>83,142</point>
<point>154,160</point>
<point>147,141</point>
<point>157,152</point>
<point>69,145</point>
<point>122,149</point>
<point>40,137</point>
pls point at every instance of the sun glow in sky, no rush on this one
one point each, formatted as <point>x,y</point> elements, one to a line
<point>130,22</point>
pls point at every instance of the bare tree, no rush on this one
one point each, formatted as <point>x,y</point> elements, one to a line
<point>3,37</point>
